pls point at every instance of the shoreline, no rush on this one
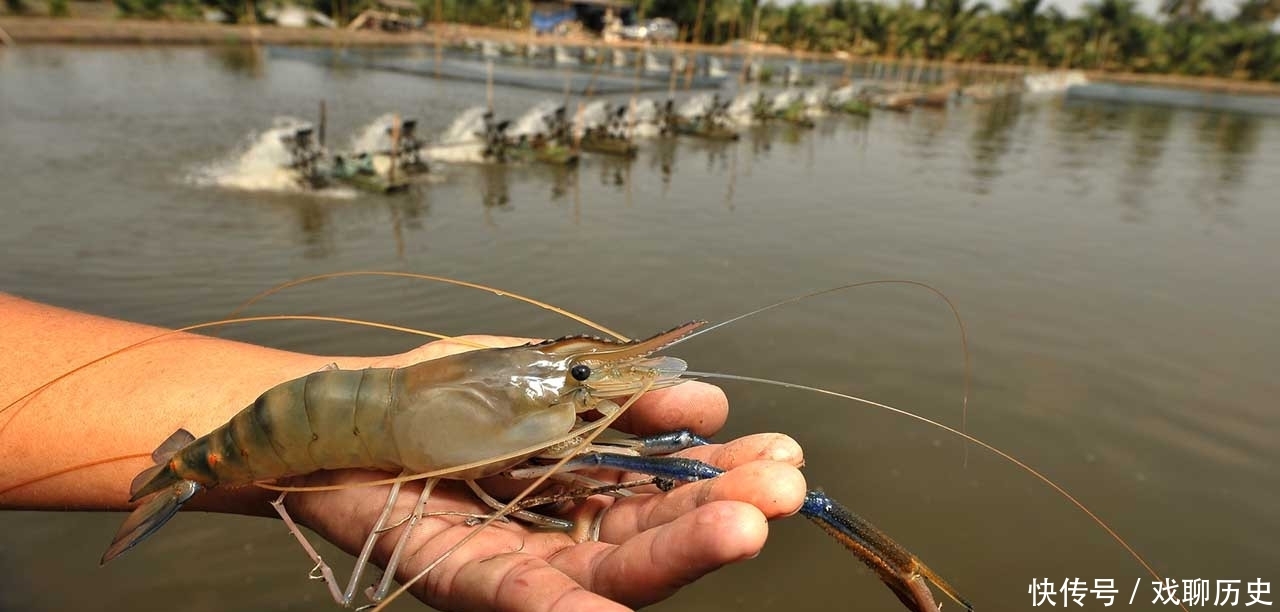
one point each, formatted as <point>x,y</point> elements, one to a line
<point>18,31</point>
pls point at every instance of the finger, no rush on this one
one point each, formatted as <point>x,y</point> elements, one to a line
<point>656,563</point>
<point>775,489</point>
<point>696,406</point>
<point>520,581</point>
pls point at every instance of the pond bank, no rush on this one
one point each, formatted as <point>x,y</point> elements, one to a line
<point>44,30</point>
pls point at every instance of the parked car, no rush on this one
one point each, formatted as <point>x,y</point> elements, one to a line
<point>662,30</point>
<point>656,30</point>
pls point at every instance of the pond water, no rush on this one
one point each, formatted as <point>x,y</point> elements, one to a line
<point>1115,266</point>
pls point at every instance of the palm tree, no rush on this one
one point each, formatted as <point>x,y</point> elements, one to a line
<point>946,22</point>
<point>1116,36</point>
<point>1027,29</point>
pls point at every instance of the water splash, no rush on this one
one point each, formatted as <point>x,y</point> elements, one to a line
<point>695,106</point>
<point>715,68</point>
<point>844,95</point>
<point>740,109</point>
<point>1054,82</point>
<point>531,122</point>
<point>261,164</point>
<point>594,114</point>
<point>375,136</point>
<point>653,65</point>
<point>784,99</point>
<point>564,58</point>
<point>815,100</point>
<point>466,127</point>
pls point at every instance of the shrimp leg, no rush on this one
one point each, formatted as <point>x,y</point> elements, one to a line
<point>343,598</point>
<point>389,575</point>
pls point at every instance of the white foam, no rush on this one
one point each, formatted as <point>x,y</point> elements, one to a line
<point>695,106</point>
<point>1054,82</point>
<point>530,122</point>
<point>467,127</point>
<point>261,164</point>
<point>375,136</point>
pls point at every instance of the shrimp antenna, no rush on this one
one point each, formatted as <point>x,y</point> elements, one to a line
<point>955,312</point>
<point>440,279</point>
<point>968,438</point>
<point>72,468</point>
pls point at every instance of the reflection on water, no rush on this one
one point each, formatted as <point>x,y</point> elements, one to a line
<point>249,60</point>
<point>495,186</point>
<point>1106,264</point>
<point>992,139</point>
<point>1151,129</point>
<point>1233,139</point>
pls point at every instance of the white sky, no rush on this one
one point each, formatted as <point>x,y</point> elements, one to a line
<point>1221,8</point>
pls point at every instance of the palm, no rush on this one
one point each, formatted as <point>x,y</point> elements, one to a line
<point>651,544</point>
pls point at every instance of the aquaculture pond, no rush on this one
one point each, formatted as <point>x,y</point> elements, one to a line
<point>1115,267</point>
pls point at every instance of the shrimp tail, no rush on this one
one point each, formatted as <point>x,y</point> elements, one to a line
<point>166,490</point>
<point>150,516</point>
<point>158,476</point>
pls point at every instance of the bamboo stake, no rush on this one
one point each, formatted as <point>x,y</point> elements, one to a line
<point>488,85</point>
<point>577,122</point>
<point>395,148</point>
<point>689,68</point>
<point>589,90</point>
<point>671,84</point>
<point>320,132</point>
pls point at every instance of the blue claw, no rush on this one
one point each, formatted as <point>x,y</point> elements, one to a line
<point>906,575</point>
<point>671,468</point>
<point>667,443</point>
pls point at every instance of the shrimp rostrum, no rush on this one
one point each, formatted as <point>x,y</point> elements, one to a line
<point>536,411</point>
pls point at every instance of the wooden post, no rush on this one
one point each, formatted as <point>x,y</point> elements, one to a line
<point>395,148</point>
<point>589,90</point>
<point>577,123</point>
<point>690,67</point>
<point>488,84</point>
<point>671,85</point>
<point>320,131</point>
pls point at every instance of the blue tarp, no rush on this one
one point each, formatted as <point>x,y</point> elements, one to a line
<point>544,23</point>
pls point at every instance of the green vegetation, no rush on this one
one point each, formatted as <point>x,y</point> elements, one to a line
<point>1185,39</point>
<point>1110,35</point>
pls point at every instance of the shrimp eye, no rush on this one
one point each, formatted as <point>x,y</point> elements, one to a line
<point>580,372</point>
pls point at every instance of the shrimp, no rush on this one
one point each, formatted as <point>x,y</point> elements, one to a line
<point>431,417</point>
<point>427,421</point>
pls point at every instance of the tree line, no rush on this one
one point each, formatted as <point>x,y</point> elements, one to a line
<point>1184,38</point>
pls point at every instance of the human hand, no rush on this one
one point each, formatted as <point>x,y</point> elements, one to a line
<point>650,544</point>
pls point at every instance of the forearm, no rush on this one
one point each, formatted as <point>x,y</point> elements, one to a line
<point>124,405</point>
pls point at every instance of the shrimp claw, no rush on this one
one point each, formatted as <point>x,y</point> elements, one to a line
<point>905,574</point>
